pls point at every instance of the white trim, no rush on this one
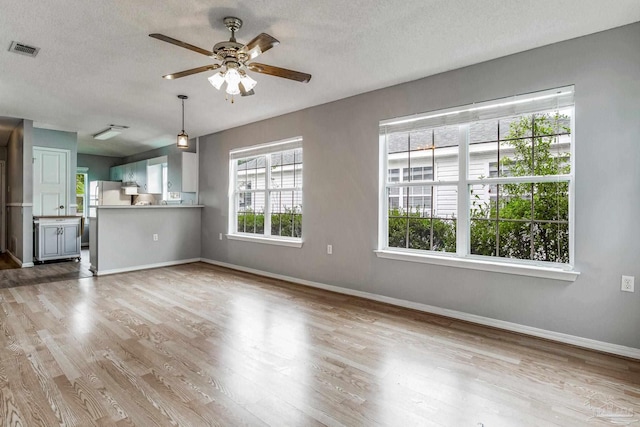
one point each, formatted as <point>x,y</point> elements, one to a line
<point>267,240</point>
<point>463,231</point>
<point>529,179</point>
<point>141,267</point>
<point>465,258</point>
<point>232,224</point>
<point>262,150</point>
<point>383,200</point>
<point>73,206</point>
<point>291,142</point>
<point>500,104</point>
<point>19,205</point>
<point>519,268</point>
<point>17,260</point>
<point>587,343</point>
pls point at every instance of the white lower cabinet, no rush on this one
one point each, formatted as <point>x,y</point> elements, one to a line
<point>56,238</point>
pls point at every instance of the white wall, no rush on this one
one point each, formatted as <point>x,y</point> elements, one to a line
<point>341,191</point>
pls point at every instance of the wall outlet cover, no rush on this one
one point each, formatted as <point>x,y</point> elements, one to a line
<point>627,284</point>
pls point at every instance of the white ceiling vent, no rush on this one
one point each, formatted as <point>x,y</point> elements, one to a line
<point>24,49</point>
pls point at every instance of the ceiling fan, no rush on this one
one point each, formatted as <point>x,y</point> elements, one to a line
<point>234,59</point>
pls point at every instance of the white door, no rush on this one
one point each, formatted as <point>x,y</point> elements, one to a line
<point>50,181</point>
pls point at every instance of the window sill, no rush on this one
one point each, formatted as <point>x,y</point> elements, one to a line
<point>476,264</point>
<point>292,243</point>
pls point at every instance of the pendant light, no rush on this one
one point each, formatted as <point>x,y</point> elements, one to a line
<point>183,138</point>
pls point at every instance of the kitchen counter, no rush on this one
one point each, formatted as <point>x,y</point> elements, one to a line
<point>57,217</point>
<point>149,206</point>
<point>126,238</point>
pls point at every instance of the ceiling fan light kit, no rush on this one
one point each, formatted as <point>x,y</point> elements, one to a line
<point>234,59</point>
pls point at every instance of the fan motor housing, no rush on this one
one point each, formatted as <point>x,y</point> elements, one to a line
<point>229,50</point>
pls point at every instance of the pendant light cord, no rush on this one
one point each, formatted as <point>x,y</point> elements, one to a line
<point>182,115</point>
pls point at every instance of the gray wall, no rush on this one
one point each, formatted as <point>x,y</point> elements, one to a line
<point>3,153</point>
<point>20,192</point>
<point>158,152</point>
<point>98,165</point>
<point>132,245</point>
<point>341,193</point>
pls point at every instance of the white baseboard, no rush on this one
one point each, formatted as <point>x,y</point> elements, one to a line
<point>20,263</point>
<point>141,267</point>
<point>605,347</point>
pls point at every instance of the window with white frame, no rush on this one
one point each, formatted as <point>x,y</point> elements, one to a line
<point>492,179</point>
<point>82,191</point>
<point>265,194</point>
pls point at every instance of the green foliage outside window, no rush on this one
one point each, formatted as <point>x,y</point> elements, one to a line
<point>80,192</point>
<point>418,229</point>
<point>526,221</point>
<point>286,224</point>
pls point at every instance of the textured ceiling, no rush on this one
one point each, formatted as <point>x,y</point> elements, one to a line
<point>98,66</point>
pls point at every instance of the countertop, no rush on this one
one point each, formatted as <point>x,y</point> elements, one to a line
<point>149,207</point>
<point>56,217</point>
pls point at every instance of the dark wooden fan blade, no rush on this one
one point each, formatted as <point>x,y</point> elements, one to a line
<point>262,43</point>
<point>191,71</point>
<point>176,42</point>
<point>244,92</point>
<point>279,72</point>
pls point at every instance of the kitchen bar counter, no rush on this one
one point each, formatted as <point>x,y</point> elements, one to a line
<point>126,238</point>
<point>148,206</point>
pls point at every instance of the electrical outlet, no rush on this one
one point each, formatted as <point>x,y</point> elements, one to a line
<point>329,249</point>
<point>155,237</point>
<point>220,236</point>
<point>627,284</point>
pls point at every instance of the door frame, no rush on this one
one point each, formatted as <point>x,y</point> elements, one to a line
<point>67,154</point>
<point>3,206</point>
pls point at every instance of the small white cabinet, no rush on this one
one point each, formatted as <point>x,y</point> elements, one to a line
<point>141,176</point>
<point>182,172</point>
<point>129,172</point>
<point>56,238</point>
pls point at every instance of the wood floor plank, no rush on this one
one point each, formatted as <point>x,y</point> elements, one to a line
<point>202,345</point>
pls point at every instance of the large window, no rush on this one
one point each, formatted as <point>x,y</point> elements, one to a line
<point>492,179</point>
<point>266,191</point>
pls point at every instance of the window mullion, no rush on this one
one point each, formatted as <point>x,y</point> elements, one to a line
<point>462,227</point>
<point>383,212</point>
<point>233,208</point>
<point>267,196</point>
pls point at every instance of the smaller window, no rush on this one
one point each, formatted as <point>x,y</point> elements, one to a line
<point>266,190</point>
<point>81,194</point>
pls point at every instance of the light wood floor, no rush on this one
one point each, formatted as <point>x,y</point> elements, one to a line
<point>11,275</point>
<point>200,345</point>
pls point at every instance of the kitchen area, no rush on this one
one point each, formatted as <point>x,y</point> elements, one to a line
<point>146,215</point>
